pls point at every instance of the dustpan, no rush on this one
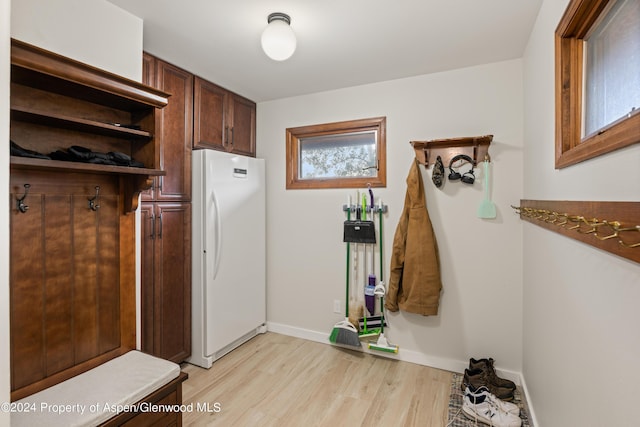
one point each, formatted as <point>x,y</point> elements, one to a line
<point>359,232</point>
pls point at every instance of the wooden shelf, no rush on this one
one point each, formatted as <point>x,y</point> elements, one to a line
<point>78,167</point>
<point>45,70</point>
<point>476,147</point>
<point>75,123</point>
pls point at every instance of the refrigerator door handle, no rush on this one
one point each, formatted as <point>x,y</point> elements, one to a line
<point>218,233</point>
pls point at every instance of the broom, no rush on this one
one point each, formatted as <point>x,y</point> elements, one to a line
<point>344,332</point>
<point>382,344</point>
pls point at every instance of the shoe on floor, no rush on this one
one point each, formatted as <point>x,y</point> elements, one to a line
<point>478,378</point>
<point>475,394</point>
<point>487,366</point>
<point>482,410</point>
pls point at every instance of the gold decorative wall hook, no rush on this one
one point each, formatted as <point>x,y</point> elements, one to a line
<point>93,202</point>
<point>20,200</point>
<point>614,226</point>
<point>611,236</point>
<point>630,245</point>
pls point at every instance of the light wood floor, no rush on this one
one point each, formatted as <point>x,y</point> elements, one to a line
<point>276,380</point>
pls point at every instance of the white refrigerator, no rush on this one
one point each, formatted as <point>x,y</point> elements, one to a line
<point>228,270</point>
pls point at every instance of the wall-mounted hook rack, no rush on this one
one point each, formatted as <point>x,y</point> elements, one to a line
<point>584,221</point>
<point>94,201</point>
<point>20,201</point>
<point>476,147</point>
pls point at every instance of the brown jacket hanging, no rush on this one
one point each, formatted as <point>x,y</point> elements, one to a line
<point>414,281</point>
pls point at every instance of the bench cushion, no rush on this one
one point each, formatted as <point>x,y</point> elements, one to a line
<point>95,396</point>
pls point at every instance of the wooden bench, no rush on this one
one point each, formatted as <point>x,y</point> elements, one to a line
<point>132,389</point>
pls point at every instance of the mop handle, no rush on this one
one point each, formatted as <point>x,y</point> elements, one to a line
<point>381,271</point>
<point>380,232</point>
<point>346,309</point>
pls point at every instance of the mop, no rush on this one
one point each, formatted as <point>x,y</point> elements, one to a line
<point>367,333</point>
<point>382,344</point>
<point>344,332</point>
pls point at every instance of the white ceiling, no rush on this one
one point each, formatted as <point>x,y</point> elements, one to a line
<point>341,43</point>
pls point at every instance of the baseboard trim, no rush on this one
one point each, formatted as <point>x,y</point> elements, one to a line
<point>404,355</point>
<point>532,415</point>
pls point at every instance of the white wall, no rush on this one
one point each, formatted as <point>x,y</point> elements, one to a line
<point>5,379</point>
<point>581,343</point>
<point>481,305</point>
<point>95,32</point>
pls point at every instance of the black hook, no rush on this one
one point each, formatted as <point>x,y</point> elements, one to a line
<point>93,202</point>
<point>21,206</point>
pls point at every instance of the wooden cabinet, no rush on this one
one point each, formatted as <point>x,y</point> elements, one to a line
<point>166,279</point>
<point>175,130</point>
<point>72,231</point>
<point>166,221</point>
<point>223,120</point>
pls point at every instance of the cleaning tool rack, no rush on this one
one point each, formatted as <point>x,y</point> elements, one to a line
<point>362,231</point>
<point>585,221</point>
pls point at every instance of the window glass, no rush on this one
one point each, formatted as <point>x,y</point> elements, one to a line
<point>338,156</point>
<point>612,76</point>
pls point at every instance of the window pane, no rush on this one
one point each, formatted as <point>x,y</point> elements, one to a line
<point>338,156</point>
<point>612,67</point>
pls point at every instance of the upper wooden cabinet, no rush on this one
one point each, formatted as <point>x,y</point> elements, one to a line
<point>223,120</point>
<point>175,130</point>
<point>57,103</point>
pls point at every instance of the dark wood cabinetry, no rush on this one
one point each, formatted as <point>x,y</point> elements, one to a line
<point>166,279</point>
<point>223,120</point>
<point>166,221</point>
<point>72,231</point>
<point>175,130</point>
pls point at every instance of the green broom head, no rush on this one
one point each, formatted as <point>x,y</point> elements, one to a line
<point>345,333</point>
<point>383,345</point>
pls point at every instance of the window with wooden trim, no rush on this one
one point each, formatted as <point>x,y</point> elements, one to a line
<point>346,154</point>
<point>597,79</point>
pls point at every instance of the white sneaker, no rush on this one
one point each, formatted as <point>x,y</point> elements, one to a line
<point>508,407</point>
<point>482,409</point>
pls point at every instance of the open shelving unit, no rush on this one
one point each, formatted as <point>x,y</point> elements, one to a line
<point>57,102</point>
<point>476,147</point>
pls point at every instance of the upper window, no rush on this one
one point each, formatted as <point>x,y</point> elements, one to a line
<point>597,79</point>
<point>337,155</point>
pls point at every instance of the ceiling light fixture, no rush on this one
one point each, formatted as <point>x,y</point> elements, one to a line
<point>278,39</point>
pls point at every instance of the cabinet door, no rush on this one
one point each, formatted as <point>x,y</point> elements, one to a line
<point>168,310</point>
<point>243,133</point>
<point>149,64</point>
<point>176,133</point>
<point>148,235</point>
<point>210,121</point>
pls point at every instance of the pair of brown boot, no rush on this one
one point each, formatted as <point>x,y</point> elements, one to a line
<point>482,373</point>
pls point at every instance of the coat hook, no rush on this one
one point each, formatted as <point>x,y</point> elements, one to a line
<point>93,202</point>
<point>21,206</point>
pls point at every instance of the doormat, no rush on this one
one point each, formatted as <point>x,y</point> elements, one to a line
<point>456,416</point>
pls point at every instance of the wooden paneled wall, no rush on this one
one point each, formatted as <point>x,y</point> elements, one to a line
<point>65,275</point>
